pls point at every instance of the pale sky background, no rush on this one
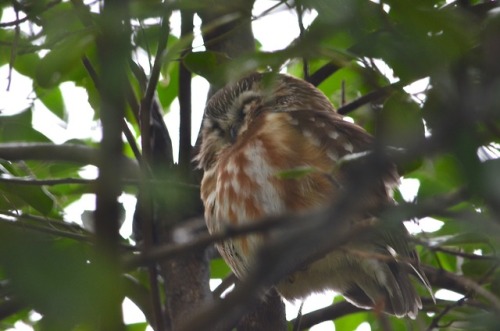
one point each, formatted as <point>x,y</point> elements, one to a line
<point>80,124</point>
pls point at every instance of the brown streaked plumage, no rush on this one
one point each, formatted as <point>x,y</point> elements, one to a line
<point>264,125</point>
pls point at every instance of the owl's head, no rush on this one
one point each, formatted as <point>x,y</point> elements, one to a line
<point>230,112</point>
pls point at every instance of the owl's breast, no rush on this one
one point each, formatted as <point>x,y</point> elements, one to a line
<point>248,184</point>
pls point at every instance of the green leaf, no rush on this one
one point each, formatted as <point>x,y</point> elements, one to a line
<point>19,128</point>
<point>94,98</point>
<point>63,61</point>
<point>53,100</point>
<point>446,261</point>
<point>351,321</point>
<point>219,269</point>
<point>412,34</point>
<point>206,64</point>
<point>460,239</point>
<point>438,176</point>
<point>24,195</point>
<point>168,88</point>
<point>60,23</point>
<point>26,64</point>
<point>137,326</point>
<point>139,294</point>
<point>295,173</point>
<point>402,121</point>
<point>476,269</point>
<point>143,9</point>
<point>147,38</point>
<point>60,279</point>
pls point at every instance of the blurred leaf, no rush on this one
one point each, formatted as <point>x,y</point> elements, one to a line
<point>412,36</point>
<point>353,77</point>
<point>219,269</point>
<point>490,179</point>
<point>446,261</point>
<point>168,87</point>
<point>139,294</point>
<point>460,239</point>
<point>402,124</point>
<point>19,128</point>
<point>206,64</point>
<point>26,64</point>
<point>78,288</point>
<point>143,9</point>
<point>476,269</point>
<point>358,17</point>
<point>147,38</point>
<point>439,176</point>
<point>53,100</point>
<point>64,61</point>
<point>295,173</point>
<point>93,94</point>
<point>19,196</point>
<point>351,321</point>
<point>60,22</point>
<point>137,326</point>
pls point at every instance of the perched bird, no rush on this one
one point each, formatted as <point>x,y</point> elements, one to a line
<point>266,124</point>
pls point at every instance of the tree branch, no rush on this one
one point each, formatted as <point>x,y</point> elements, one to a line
<point>65,152</point>
<point>337,310</point>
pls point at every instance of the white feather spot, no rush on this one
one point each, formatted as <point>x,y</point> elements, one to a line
<point>392,251</point>
<point>333,134</point>
<point>348,147</point>
<point>309,135</point>
<point>292,120</point>
<point>320,124</point>
<point>332,155</point>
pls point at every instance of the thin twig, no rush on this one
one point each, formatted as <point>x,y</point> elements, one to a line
<point>300,14</point>
<point>458,303</point>
<point>84,181</point>
<point>146,202</point>
<point>367,98</point>
<point>74,153</point>
<point>13,50</point>
<point>47,182</point>
<point>185,96</point>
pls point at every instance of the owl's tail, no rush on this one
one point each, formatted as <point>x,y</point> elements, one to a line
<point>387,287</point>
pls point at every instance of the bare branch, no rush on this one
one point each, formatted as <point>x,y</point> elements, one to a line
<point>65,152</point>
<point>332,312</point>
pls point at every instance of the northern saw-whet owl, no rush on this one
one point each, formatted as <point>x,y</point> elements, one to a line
<point>256,128</point>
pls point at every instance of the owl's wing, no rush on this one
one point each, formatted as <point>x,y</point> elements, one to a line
<point>346,149</point>
<point>349,150</point>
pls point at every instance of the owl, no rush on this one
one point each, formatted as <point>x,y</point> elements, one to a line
<point>265,125</point>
